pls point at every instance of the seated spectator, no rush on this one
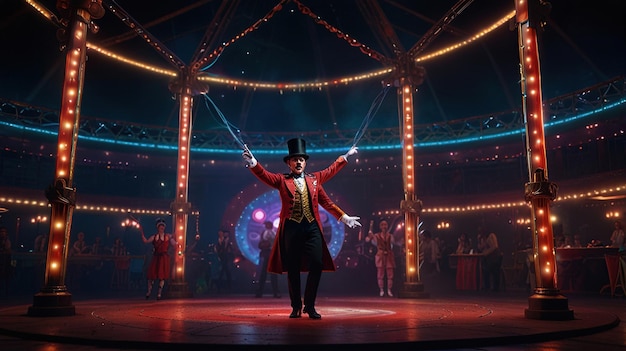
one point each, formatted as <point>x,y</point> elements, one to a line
<point>41,243</point>
<point>617,237</point>
<point>568,242</point>
<point>97,248</point>
<point>577,241</point>
<point>118,248</point>
<point>80,246</point>
<point>464,245</point>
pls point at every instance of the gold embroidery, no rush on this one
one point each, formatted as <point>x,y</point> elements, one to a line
<point>301,206</point>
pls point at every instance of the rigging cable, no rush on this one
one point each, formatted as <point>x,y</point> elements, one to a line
<point>234,131</point>
<point>370,115</point>
<point>225,121</point>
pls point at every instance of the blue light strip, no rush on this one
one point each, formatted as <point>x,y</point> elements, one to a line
<point>322,150</point>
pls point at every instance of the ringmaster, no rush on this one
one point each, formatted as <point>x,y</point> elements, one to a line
<point>300,245</point>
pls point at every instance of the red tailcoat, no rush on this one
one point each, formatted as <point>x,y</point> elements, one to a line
<point>286,189</point>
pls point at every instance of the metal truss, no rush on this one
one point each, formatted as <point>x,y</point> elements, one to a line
<point>42,120</point>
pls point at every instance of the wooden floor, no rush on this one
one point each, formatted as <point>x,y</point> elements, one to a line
<point>454,321</point>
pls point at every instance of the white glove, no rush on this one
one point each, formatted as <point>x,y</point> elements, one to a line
<point>353,150</point>
<point>248,158</point>
<point>350,221</point>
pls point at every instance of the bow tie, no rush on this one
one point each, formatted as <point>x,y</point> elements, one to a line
<point>296,176</point>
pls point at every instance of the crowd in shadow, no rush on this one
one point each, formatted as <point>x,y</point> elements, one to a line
<point>217,268</point>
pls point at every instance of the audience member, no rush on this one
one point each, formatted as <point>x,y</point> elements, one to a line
<point>492,260</point>
<point>118,248</point>
<point>97,248</point>
<point>225,254</point>
<point>617,237</point>
<point>121,267</point>
<point>595,243</point>
<point>80,246</point>
<point>559,241</point>
<point>568,242</point>
<point>197,267</point>
<point>41,243</point>
<point>464,245</point>
<point>577,241</point>
<point>429,253</point>
<point>265,249</point>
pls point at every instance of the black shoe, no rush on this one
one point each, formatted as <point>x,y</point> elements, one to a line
<point>296,313</point>
<point>312,313</point>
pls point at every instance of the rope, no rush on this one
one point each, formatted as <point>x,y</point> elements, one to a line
<point>225,122</point>
<point>370,115</point>
<point>234,131</point>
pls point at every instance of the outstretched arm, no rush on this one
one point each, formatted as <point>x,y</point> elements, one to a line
<point>143,237</point>
<point>334,168</point>
<point>325,201</point>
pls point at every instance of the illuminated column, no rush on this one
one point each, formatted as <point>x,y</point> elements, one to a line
<point>180,206</point>
<point>547,302</point>
<point>54,298</point>
<point>411,205</point>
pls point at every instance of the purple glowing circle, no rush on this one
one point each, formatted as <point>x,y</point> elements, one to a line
<point>259,215</point>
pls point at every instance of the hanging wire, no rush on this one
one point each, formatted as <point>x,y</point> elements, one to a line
<point>234,131</point>
<point>225,122</point>
<point>370,115</point>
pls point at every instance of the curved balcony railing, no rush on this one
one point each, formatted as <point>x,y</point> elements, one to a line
<point>559,110</point>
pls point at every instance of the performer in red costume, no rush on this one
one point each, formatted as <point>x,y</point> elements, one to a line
<point>300,245</point>
<point>159,268</point>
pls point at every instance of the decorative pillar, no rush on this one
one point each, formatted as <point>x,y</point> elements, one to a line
<point>54,299</point>
<point>547,302</point>
<point>180,206</point>
<point>408,76</point>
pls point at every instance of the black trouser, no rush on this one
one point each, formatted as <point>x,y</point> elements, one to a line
<point>492,265</point>
<point>224,271</point>
<point>264,258</point>
<point>303,244</point>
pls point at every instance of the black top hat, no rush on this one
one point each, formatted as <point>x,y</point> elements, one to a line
<point>297,147</point>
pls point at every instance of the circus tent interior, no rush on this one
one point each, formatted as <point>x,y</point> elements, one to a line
<point>323,71</point>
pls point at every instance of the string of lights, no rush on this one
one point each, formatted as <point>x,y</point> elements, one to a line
<point>577,196</point>
<point>618,189</point>
<point>293,86</point>
<point>568,108</point>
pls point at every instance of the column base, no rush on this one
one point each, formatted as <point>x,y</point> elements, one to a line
<point>52,304</point>
<point>413,291</point>
<point>179,290</point>
<point>548,305</point>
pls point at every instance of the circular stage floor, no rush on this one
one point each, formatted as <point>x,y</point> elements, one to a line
<point>244,322</point>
